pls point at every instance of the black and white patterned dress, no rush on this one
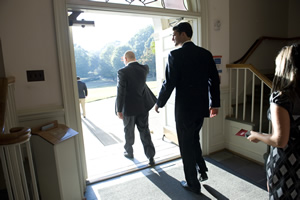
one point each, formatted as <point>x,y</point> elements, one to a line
<point>283,164</point>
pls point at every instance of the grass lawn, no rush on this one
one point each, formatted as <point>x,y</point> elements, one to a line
<point>96,94</point>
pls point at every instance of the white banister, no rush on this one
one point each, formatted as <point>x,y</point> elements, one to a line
<point>32,172</point>
<point>11,119</point>
<point>244,84</point>
<point>11,151</point>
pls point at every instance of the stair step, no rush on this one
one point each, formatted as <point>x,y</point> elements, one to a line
<point>256,116</point>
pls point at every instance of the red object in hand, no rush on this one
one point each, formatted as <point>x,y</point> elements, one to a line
<point>241,132</point>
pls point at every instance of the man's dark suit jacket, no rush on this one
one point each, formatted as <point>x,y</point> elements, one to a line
<point>82,90</point>
<point>191,69</point>
<point>134,97</point>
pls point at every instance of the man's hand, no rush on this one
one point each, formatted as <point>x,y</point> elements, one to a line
<point>156,108</point>
<point>213,112</point>
<point>120,115</point>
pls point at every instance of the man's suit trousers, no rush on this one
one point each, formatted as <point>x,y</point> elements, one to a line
<point>190,150</point>
<point>141,121</point>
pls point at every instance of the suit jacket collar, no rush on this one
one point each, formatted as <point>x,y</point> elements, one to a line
<point>130,63</point>
<point>189,42</point>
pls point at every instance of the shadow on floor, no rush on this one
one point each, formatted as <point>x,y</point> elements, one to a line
<point>241,167</point>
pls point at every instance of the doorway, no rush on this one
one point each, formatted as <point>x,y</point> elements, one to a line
<point>102,131</point>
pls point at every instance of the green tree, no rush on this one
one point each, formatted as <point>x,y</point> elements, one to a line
<point>94,65</point>
<point>148,58</point>
<point>108,60</point>
<point>82,61</point>
<point>106,68</point>
<point>140,40</point>
<point>117,58</point>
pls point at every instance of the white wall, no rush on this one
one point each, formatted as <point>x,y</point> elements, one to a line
<point>294,19</point>
<point>28,43</point>
<point>219,38</point>
<point>252,19</point>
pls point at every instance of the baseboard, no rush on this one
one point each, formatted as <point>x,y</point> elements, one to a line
<point>216,147</point>
<point>246,153</point>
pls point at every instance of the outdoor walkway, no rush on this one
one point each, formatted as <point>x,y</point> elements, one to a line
<point>104,140</point>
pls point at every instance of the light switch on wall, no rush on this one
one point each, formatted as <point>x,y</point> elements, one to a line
<point>35,75</point>
<point>217,25</point>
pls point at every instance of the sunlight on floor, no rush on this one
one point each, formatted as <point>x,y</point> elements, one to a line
<point>103,161</point>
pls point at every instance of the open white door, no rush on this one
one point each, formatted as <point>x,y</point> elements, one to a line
<point>163,45</point>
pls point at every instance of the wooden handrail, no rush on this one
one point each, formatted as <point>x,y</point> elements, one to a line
<point>17,135</point>
<point>261,76</point>
<point>257,42</point>
<point>11,79</point>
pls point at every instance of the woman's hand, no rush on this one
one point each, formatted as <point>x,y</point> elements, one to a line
<point>253,137</point>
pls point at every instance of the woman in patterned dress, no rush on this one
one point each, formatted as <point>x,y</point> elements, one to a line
<point>283,164</point>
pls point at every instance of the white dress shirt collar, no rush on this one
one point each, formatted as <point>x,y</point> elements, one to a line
<point>186,42</point>
<point>131,62</point>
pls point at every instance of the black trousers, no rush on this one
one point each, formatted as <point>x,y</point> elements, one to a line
<point>190,150</point>
<point>141,121</point>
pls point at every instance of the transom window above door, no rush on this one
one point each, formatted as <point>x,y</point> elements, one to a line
<point>167,4</point>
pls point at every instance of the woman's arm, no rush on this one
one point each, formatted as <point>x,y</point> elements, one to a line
<point>280,128</point>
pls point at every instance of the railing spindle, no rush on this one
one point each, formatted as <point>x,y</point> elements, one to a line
<point>237,94</point>
<point>245,89</point>
<point>253,95</point>
<point>264,82</point>
<point>230,92</point>
<point>261,105</point>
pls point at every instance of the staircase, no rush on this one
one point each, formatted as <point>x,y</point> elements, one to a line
<point>257,100</point>
<point>249,91</point>
<point>15,151</point>
<point>249,96</point>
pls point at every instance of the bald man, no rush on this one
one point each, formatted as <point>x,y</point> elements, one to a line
<point>134,100</point>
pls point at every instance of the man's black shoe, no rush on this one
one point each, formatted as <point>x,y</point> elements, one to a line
<point>203,177</point>
<point>128,155</point>
<point>185,186</point>
<point>151,162</point>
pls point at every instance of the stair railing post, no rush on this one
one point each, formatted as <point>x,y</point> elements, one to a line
<point>237,93</point>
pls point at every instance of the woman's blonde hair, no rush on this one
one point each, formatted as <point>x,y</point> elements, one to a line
<point>287,70</point>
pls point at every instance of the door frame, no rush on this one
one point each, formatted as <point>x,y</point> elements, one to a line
<point>66,60</point>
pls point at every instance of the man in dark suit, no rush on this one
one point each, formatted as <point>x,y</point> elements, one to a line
<point>134,100</point>
<point>192,71</point>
